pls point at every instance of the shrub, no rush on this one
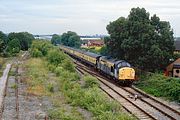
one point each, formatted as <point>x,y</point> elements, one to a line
<point>62,114</point>
<point>13,47</point>
<point>42,46</point>
<point>68,65</point>
<point>161,86</point>
<point>36,53</point>
<point>58,70</point>
<point>50,87</point>
<point>55,57</point>
<point>51,67</point>
<point>1,62</point>
<point>90,81</point>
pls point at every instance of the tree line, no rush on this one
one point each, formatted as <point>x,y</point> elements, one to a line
<point>70,39</point>
<point>12,43</point>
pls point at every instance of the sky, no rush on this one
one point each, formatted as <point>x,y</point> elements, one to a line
<point>85,17</point>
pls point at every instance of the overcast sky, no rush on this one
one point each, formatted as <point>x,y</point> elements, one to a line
<point>86,17</point>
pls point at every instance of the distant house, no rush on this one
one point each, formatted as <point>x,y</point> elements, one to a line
<point>177,46</point>
<point>173,69</point>
<point>92,42</point>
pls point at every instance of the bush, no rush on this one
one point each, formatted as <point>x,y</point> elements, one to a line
<point>90,81</point>
<point>13,47</point>
<point>68,65</point>
<point>1,62</point>
<point>50,87</point>
<point>62,114</point>
<point>161,86</point>
<point>36,53</point>
<point>40,48</point>
<point>59,70</point>
<point>55,57</point>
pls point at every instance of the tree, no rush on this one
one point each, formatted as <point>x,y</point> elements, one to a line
<point>104,50</point>
<point>71,39</point>
<point>24,38</point>
<point>13,47</point>
<point>145,42</point>
<point>3,41</point>
<point>56,39</point>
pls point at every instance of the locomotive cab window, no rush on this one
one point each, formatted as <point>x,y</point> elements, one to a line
<point>112,69</point>
<point>177,71</point>
<point>124,64</point>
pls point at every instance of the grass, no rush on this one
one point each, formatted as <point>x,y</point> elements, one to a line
<point>89,96</point>
<point>14,86</point>
<point>160,86</point>
<point>64,114</point>
<point>40,83</point>
<point>36,77</point>
<point>1,65</point>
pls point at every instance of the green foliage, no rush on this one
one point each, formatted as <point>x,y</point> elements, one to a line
<point>89,97</point>
<point>104,50</point>
<point>56,39</point>
<point>71,39</point>
<point>3,41</point>
<point>90,81</point>
<point>24,38</point>
<point>36,53</point>
<point>176,56</point>
<point>21,41</point>
<point>55,57</point>
<point>40,48</point>
<point>13,47</point>
<point>68,65</point>
<point>161,86</point>
<point>145,42</point>
<point>62,114</point>
<point>1,62</point>
<point>50,87</point>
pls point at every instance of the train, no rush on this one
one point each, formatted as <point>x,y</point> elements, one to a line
<point>119,70</point>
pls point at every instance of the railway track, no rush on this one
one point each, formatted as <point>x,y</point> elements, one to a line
<point>9,99</point>
<point>144,108</point>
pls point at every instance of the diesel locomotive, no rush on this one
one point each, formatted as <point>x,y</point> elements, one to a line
<point>118,69</point>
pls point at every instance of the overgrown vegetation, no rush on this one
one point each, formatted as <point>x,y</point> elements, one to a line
<point>85,95</point>
<point>1,62</point>
<point>1,65</point>
<point>40,48</point>
<point>161,86</point>
<point>12,43</point>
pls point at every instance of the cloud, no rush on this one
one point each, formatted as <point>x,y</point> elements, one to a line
<point>83,16</point>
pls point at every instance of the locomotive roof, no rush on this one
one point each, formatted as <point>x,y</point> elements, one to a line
<point>92,54</point>
<point>112,60</point>
<point>84,52</point>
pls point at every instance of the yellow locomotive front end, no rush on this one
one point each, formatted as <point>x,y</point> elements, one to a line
<point>126,73</point>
